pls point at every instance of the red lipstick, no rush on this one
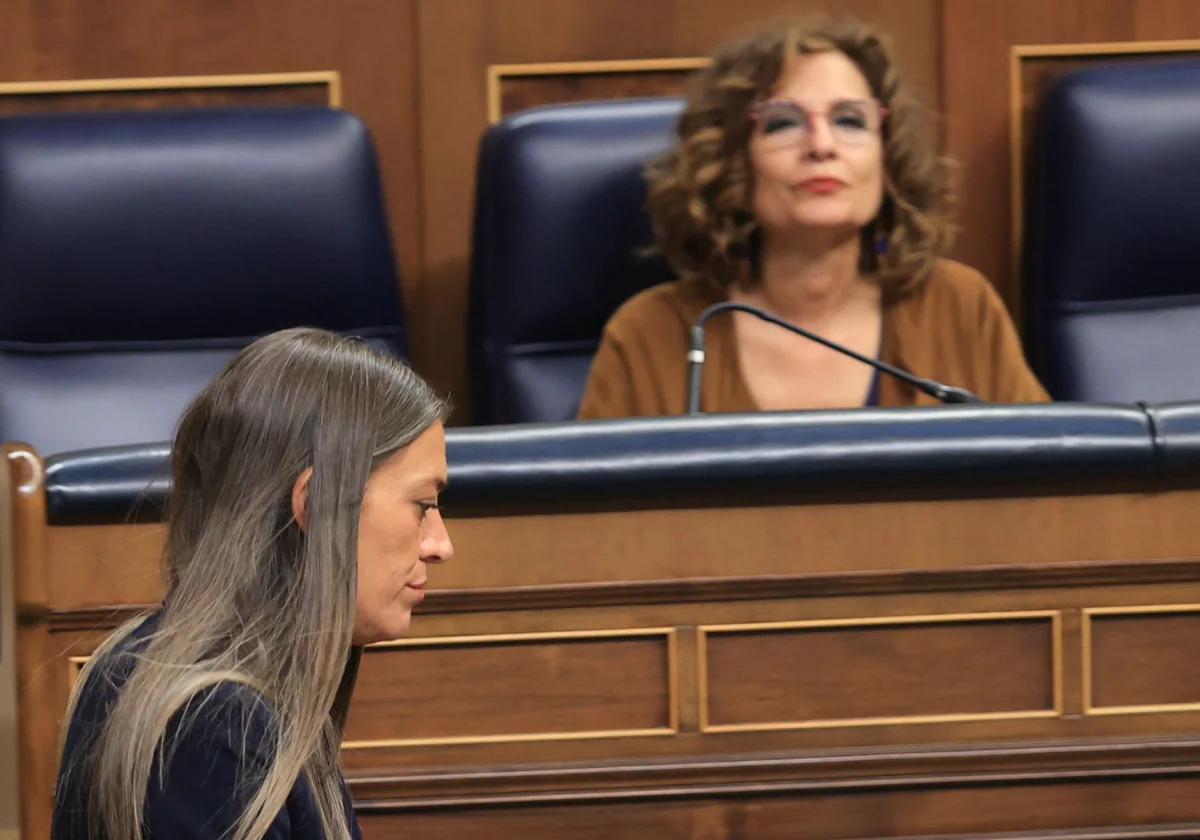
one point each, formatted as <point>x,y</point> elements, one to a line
<point>822,185</point>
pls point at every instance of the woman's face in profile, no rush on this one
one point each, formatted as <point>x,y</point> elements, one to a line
<point>399,533</point>
<point>816,149</point>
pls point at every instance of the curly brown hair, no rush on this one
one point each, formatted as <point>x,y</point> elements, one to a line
<point>699,192</point>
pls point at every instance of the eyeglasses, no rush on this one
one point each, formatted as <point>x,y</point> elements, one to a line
<point>783,123</point>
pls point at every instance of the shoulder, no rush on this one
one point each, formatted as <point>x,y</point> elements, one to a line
<point>957,328</point>
<point>955,298</point>
<point>109,671</point>
<point>226,714</point>
<point>216,752</point>
<point>678,302</point>
<point>952,285</point>
<point>642,351</point>
<point>224,709</point>
<point>215,747</point>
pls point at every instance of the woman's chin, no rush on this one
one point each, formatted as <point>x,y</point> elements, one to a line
<point>825,221</point>
<point>389,629</point>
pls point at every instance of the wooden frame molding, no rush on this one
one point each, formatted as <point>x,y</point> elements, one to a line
<point>668,634</point>
<point>75,664</point>
<point>756,588</point>
<point>703,632</point>
<point>496,73</point>
<point>1017,55</point>
<point>1087,661</point>
<point>330,78</point>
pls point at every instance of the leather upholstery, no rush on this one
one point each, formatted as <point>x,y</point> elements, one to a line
<point>559,223</point>
<point>139,251</point>
<point>109,485</point>
<point>956,446</point>
<point>1176,429</point>
<point>1111,258</point>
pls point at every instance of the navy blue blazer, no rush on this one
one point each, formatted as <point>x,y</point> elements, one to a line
<point>216,747</point>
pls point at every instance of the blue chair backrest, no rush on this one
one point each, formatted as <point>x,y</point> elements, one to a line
<point>559,241</point>
<point>140,250</point>
<point>1112,263</point>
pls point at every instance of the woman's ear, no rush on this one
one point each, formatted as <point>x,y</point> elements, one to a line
<point>300,499</point>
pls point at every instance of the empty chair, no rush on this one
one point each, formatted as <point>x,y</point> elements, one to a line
<point>140,250</point>
<point>1112,263</point>
<point>559,243</point>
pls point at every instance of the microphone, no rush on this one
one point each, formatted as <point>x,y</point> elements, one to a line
<point>695,358</point>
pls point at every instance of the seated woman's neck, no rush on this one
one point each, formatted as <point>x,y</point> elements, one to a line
<point>805,285</point>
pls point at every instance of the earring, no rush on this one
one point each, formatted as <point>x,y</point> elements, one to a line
<point>881,244</point>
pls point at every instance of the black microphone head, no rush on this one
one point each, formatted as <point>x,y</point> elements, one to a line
<point>954,395</point>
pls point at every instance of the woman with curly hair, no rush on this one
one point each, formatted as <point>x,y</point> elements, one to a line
<point>804,183</point>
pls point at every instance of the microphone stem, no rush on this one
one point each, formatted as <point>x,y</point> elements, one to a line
<point>938,391</point>
<point>695,363</point>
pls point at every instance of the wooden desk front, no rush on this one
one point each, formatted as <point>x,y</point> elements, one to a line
<point>868,665</point>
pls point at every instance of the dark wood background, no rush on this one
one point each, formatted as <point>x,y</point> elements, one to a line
<point>417,70</point>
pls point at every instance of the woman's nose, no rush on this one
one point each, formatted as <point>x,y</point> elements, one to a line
<point>436,546</point>
<point>819,142</point>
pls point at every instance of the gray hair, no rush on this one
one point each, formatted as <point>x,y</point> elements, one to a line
<point>253,599</point>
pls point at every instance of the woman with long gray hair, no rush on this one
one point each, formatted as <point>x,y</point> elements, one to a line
<point>302,516</point>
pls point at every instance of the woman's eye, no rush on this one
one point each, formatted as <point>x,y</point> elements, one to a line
<point>779,123</point>
<point>851,117</point>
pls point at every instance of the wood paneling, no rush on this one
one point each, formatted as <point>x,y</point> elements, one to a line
<point>562,664</point>
<point>460,39</point>
<point>525,687</point>
<point>516,87</point>
<point>178,92</point>
<point>8,654</point>
<point>977,39</point>
<point>830,673</point>
<point>36,681</point>
<point>903,808</point>
<point>518,93</point>
<point>1143,660</point>
<point>562,545</point>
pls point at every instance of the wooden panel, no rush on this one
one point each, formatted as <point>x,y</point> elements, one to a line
<point>1142,660</point>
<point>978,98</point>
<point>9,780</point>
<point>94,567</point>
<point>175,92</point>
<point>880,671</point>
<point>678,553</point>
<point>975,809</point>
<point>902,595</point>
<point>523,687</point>
<point>460,39</point>
<point>516,87</point>
<point>37,691</point>
<point>372,48</point>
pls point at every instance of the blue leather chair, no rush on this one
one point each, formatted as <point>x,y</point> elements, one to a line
<point>1111,259</point>
<point>140,251</point>
<point>559,238</point>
